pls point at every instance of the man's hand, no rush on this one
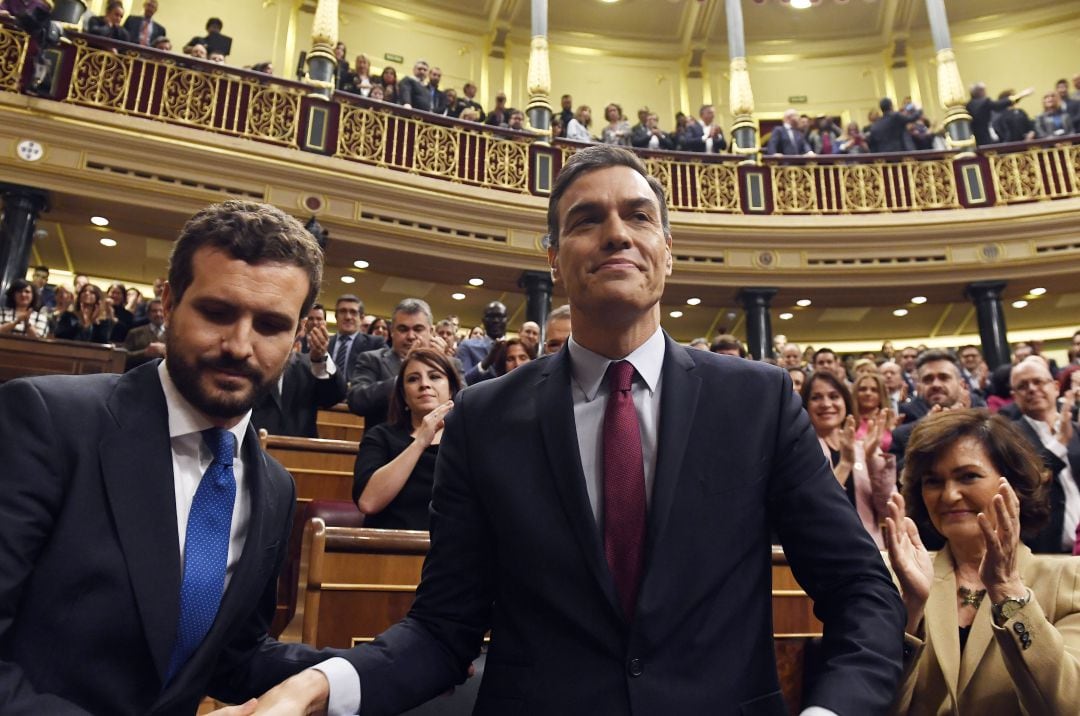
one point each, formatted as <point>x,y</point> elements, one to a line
<point>319,342</point>
<point>306,693</point>
<point>1065,424</point>
<point>155,350</point>
<point>244,709</point>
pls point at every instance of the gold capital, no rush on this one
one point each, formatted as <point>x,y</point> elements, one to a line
<point>742,96</point>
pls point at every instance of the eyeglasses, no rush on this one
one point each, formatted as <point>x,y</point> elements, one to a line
<point>1030,384</point>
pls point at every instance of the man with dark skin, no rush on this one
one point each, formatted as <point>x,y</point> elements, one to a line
<point>473,351</point>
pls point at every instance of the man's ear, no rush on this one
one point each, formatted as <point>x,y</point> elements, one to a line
<point>669,263</point>
<point>553,262</point>
<point>167,300</point>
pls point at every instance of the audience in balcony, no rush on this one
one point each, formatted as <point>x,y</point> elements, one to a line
<point>266,68</point>
<point>164,44</point>
<point>825,136</point>
<point>499,116</point>
<point>389,85</point>
<point>198,51</point>
<point>1012,124</point>
<point>656,137</point>
<point>617,130</point>
<point>341,60</point>
<point>566,113</point>
<point>982,108</point>
<point>853,141</point>
<point>889,132</point>
<point>517,120</point>
<point>116,300</point>
<point>213,41</point>
<point>19,315</point>
<point>90,320</point>
<point>578,127</point>
<point>413,92</point>
<point>147,342</point>
<point>438,98</point>
<point>109,25</point>
<point>1054,120</point>
<point>358,80</point>
<point>144,30</point>
<point>788,139</point>
<point>46,293</point>
<point>469,101</point>
<point>639,133</point>
<point>703,134</point>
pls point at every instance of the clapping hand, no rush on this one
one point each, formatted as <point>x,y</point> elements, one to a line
<point>999,571</point>
<point>847,440</point>
<point>910,560</point>
<point>318,342</point>
<point>433,423</point>
<point>1065,425</point>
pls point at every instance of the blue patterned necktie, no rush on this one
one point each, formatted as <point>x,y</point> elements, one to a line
<point>206,548</point>
<point>342,351</point>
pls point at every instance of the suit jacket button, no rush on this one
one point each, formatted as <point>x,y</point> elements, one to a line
<point>635,667</point>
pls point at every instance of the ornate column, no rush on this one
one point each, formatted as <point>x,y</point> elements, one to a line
<point>950,86</point>
<point>321,63</point>
<point>744,131</point>
<point>755,302</point>
<point>21,208</point>
<point>986,295</point>
<point>539,80</point>
<point>537,285</point>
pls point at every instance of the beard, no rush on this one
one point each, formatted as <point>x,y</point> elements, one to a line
<point>191,378</point>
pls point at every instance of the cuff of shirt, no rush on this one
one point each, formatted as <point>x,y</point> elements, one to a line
<point>817,711</point>
<point>323,369</point>
<point>344,686</point>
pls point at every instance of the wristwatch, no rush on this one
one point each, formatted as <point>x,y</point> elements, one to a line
<point>1008,607</point>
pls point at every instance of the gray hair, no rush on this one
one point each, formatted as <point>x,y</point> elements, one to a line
<point>410,306</point>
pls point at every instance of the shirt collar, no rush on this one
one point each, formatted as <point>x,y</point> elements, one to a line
<point>185,419</point>
<point>588,368</point>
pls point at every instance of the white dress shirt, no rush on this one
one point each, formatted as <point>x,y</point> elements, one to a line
<point>1065,477</point>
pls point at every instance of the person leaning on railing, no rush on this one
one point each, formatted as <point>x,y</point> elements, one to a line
<point>1011,618</point>
<point>18,316</point>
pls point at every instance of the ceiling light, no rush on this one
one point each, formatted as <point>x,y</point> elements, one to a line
<point>108,242</point>
<point>348,279</point>
<point>693,302</point>
<point>1019,304</point>
<point>476,282</point>
<point>918,300</point>
<point>99,221</point>
<point>676,314</point>
<point>786,316</point>
<point>360,264</point>
<point>458,296</point>
<point>804,302</point>
<point>1037,291</point>
<point>900,312</point>
<point>800,4</point>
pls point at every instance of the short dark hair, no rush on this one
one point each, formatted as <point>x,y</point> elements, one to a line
<point>41,268</point>
<point>820,351</point>
<point>598,156</point>
<point>317,307</point>
<point>726,341</point>
<point>1011,453</point>
<point>933,355</point>
<point>18,285</point>
<point>885,104</point>
<point>350,298</point>
<point>398,412</point>
<point>215,21</point>
<point>152,301</point>
<point>251,232</point>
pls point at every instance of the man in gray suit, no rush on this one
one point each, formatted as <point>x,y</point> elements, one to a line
<point>412,92</point>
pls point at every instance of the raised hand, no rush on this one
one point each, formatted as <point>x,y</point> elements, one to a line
<point>999,571</point>
<point>432,424</point>
<point>910,560</point>
<point>847,441</point>
<point>1065,424</point>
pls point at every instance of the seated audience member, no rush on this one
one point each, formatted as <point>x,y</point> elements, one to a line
<point>217,57</point>
<point>147,342</point>
<point>1054,436</point>
<point>517,121</point>
<point>791,356</point>
<point>639,133</point>
<point>266,68</point>
<point>468,101</point>
<point>1054,120</point>
<point>867,475</point>
<point>895,387</point>
<point>110,24</point>
<point>376,93</point>
<point>853,141</point>
<point>350,341</point>
<point>826,136</point>
<point>530,333</point>
<point>872,402</point>
<point>388,83</point>
<point>89,320</point>
<point>144,30</point>
<point>889,132</point>
<point>617,130</point>
<point>214,41</point>
<point>556,330</point>
<point>729,345</point>
<point>503,358</point>
<point>116,298</point>
<point>578,127</point>
<point>1012,124</point>
<point>359,80</point>
<point>798,378</point>
<point>702,134</point>
<point>341,71</point>
<point>65,300</point>
<point>309,382</point>
<point>134,301</point>
<point>787,139</point>
<point>46,293</point>
<point>825,360</point>
<point>657,138</point>
<point>445,329</point>
<point>18,316</point>
<point>412,92</point>
<point>395,467</point>
<point>982,110</point>
<point>863,366</point>
<point>499,116</point>
<point>198,51</point>
<point>438,98</point>
<point>1069,378</point>
<point>700,343</point>
<point>991,628</point>
<point>453,104</point>
<point>999,397</point>
<point>973,368</point>
<point>164,44</point>
<point>379,328</point>
<point>567,112</point>
<point>473,351</point>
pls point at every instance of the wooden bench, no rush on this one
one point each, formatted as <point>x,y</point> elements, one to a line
<point>21,357</point>
<point>339,423</point>
<point>354,583</point>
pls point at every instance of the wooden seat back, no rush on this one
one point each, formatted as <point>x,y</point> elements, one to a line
<point>22,357</point>
<point>339,423</point>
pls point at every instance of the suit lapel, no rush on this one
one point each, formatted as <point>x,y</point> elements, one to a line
<point>941,619</point>
<point>557,428</point>
<point>136,466</point>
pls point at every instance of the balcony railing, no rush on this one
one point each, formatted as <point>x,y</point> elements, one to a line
<point>179,90</point>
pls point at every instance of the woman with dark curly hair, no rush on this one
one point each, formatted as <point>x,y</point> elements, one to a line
<point>992,628</point>
<point>18,316</point>
<point>395,467</point>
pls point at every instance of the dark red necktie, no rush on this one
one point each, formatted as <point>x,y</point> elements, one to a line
<point>624,487</point>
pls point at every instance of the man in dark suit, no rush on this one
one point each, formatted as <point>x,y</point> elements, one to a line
<point>147,342</point>
<point>702,135</point>
<point>109,25</point>
<point>350,341</point>
<point>983,110</point>
<point>142,527</point>
<point>606,511</point>
<point>1053,434</point>
<point>787,139</point>
<point>310,381</point>
<point>144,30</point>
<point>412,92</point>
<point>939,384</point>
<point>889,133</point>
